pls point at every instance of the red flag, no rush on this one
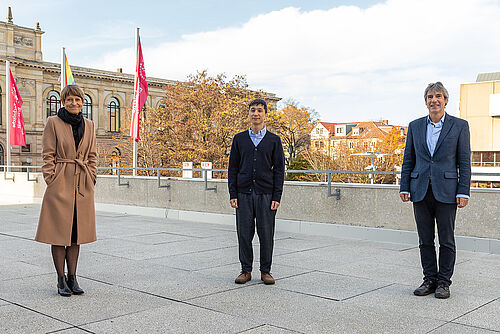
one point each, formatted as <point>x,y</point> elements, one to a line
<point>140,93</point>
<point>16,115</point>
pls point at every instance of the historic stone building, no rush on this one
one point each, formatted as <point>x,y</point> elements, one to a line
<point>107,95</point>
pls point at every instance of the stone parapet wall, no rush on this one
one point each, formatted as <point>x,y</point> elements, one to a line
<point>375,206</point>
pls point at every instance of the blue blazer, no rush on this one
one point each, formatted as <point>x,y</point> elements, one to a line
<point>449,169</point>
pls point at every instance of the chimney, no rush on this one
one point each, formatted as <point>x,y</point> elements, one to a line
<point>119,70</point>
<point>9,15</point>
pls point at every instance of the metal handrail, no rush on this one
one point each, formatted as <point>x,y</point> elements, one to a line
<point>204,174</point>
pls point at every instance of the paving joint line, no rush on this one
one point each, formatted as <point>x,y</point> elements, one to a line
<point>363,293</point>
<point>23,277</point>
<point>251,328</point>
<point>457,323</point>
<point>110,318</point>
<point>64,329</point>
<point>17,237</point>
<point>311,295</point>
<point>173,300</point>
<point>288,329</point>
<point>38,312</point>
<point>475,309</point>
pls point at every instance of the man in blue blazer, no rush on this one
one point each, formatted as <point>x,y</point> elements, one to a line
<point>435,176</point>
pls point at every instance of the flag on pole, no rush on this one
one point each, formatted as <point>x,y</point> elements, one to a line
<point>16,115</point>
<point>68,75</point>
<point>140,92</point>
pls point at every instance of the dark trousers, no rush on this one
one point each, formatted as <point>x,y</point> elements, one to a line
<point>429,212</point>
<point>255,208</point>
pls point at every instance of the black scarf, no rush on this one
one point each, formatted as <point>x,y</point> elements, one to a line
<point>77,124</point>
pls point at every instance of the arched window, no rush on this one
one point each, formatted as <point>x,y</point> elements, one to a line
<point>87,107</point>
<point>114,114</point>
<point>161,105</point>
<point>53,103</point>
<point>143,113</point>
<point>2,161</point>
<point>115,160</point>
<point>1,106</point>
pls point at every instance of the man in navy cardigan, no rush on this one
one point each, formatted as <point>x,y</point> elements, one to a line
<point>255,179</point>
<point>436,175</point>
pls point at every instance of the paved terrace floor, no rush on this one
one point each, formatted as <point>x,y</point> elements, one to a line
<point>152,275</point>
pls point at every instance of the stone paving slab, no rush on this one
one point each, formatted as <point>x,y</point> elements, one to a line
<point>268,329</point>
<point>331,286</point>
<point>16,319</point>
<point>73,330</point>
<point>102,301</point>
<point>17,269</point>
<point>452,328</point>
<point>309,314</point>
<point>487,316</point>
<point>156,238</point>
<point>153,275</point>
<point>399,299</point>
<point>174,318</point>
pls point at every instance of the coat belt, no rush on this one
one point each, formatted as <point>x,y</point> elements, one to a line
<point>81,170</point>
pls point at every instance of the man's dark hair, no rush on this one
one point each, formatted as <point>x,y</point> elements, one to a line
<point>258,101</point>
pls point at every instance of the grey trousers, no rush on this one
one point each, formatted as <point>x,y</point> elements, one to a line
<point>255,209</point>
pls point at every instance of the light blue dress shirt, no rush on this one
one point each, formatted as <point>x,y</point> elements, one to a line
<point>256,138</point>
<point>433,132</point>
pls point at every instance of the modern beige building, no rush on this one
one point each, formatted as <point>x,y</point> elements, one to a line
<point>480,106</point>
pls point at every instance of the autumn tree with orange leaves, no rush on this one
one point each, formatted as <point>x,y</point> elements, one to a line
<point>196,122</point>
<point>294,125</point>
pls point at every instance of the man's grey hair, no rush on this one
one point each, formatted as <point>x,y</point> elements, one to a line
<point>435,87</point>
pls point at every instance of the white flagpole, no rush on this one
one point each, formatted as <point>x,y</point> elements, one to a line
<point>7,102</point>
<point>135,84</point>
<point>63,69</point>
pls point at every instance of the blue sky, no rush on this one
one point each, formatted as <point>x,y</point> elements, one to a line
<point>348,60</point>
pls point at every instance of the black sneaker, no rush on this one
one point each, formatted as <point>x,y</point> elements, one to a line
<point>426,288</point>
<point>442,291</point>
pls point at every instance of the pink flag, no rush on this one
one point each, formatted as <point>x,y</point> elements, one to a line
<point>16,115</point>
<point>140,93</point>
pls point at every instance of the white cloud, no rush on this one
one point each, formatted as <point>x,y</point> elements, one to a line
<point>347,63</point>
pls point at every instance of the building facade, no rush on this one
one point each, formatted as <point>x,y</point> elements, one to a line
<point>328,138</point>
<point>480,106</point>
<point>107,96</point>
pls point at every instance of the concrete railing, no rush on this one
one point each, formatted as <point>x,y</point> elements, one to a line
<point>372,206</point>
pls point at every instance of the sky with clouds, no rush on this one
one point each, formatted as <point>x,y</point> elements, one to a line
<point>347,60</point>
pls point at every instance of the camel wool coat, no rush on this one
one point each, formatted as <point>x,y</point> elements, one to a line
<point>70,176</point>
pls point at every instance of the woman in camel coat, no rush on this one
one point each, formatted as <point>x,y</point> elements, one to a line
<point>67,217</point>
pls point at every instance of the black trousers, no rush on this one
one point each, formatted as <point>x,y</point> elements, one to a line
<point>428,213</point>
<point>255,209</point>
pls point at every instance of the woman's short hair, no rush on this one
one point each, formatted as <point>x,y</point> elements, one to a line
<point>72,90</point>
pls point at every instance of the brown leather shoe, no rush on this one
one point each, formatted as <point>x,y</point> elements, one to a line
<point>243,278</point>
<point>267,278</point>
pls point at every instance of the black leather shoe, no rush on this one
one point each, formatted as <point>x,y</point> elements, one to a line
<point>442,291</point>
<point>426,288</point>
<point>73,285</point>
<point>62,287</point>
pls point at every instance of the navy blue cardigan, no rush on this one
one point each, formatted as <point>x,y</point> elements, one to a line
<point>259,168</point>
